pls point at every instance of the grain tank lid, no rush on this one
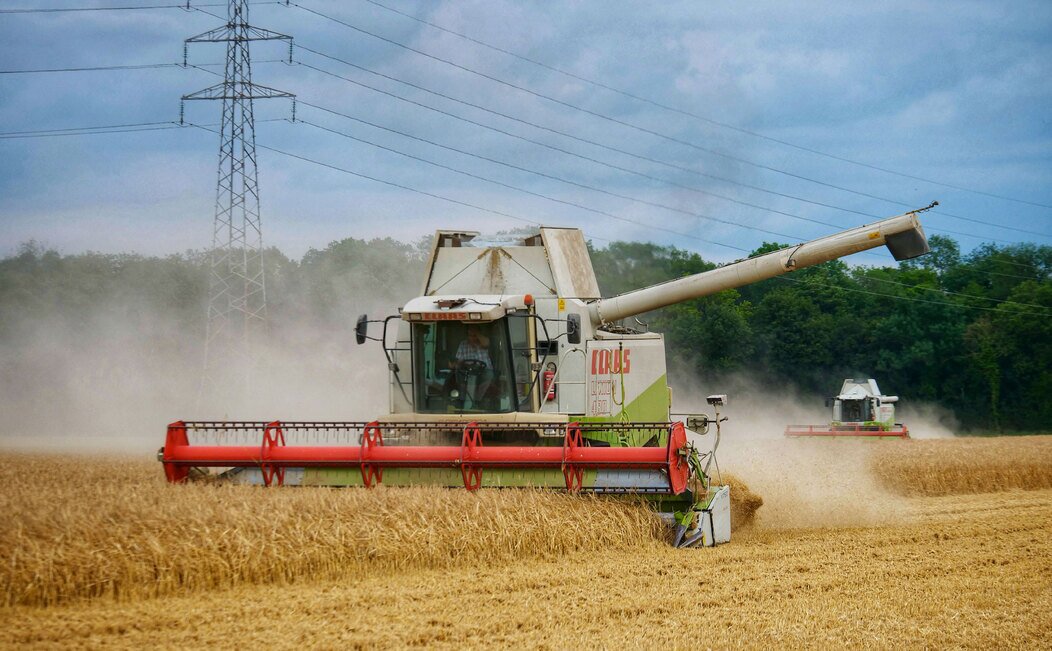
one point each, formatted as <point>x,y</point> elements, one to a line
<point>854,393</point>
<point>462,264</point>
<point>570,263</point>
<point>859,389</point>
<point>444,238</point>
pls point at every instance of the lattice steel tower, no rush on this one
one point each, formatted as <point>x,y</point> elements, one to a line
<point>237,305</point>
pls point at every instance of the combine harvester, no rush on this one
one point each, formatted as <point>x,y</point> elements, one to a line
<point>860,411</point>
<point>511,371</point>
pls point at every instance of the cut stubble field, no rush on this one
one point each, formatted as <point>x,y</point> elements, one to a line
<point>956,553</point>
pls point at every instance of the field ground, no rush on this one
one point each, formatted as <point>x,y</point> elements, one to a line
<point>948,561</point>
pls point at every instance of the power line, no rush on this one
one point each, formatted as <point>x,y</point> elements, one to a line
<point>599,84</point>
<point>951,293</point>
<point>101,130</point>
<point>107,128</point>
<point>523,190</point>
<point>701,118</point>
<point>587,141</point>
<point>559,101</point>
<point>535,172</point>
<point>173,125</point>
<point>561,179</point>
<point>423,192</point>
<point>90,133</point>
<point>885,255</point>
<point>536,142</point>
<point>146,126</point>
<point>597,161</point>
<point>541,127</point>
<point>575,204</point>
<point>73,9</point>
<point>144,66</point>
<point>552,176</point>
<point>548,146</point>
<point>132,127</point>
<point>141,66</point>
<point>184,6</point>
<point>901,298</point>
<point>150,126</point>
<point>614,120</point>
<point>621,168</point>
<point>386,182</point>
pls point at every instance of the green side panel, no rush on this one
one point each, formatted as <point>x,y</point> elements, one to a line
<point>667,503</point>
<point>450,477</point>
<point>884,425</point>
<point>650,406</point>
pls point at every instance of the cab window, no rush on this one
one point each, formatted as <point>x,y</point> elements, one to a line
<point>463,367</point>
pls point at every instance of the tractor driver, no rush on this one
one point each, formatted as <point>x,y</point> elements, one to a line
<point>472,360</point>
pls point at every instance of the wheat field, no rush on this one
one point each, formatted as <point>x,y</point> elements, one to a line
<point>90,528</point>
<point>965,465</point>
<point>99,553</point>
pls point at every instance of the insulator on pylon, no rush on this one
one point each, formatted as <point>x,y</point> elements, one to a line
<point>293,109</point>
<point>290,51</point>
<point>182,110</point>
<point>185,47</point>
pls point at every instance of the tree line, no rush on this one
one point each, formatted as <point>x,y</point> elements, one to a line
<point>970,332</point>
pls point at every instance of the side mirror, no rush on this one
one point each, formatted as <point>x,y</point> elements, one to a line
<point>573,328</point>
<point>698,423</point>
<point>361,329</point>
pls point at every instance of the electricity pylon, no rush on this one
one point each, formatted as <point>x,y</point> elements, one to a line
<point>237,301</point>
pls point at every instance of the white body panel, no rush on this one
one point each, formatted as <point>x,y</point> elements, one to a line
<point>571,265</point>
<point>716,520</point>
<point>620,370</point>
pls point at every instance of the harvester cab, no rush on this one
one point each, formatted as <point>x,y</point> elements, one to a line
<point>510,369</point>
<point>504,332</point>
<point>859,410</point>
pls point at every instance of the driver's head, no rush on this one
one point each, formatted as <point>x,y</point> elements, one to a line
<point>473,334</point>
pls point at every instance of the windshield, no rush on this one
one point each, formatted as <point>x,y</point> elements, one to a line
<point>463,367</point>
<point>855,411</point>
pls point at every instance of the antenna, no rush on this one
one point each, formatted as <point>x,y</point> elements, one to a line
<point>237,303</point>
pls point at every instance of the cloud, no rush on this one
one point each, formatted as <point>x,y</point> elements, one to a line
<point>910,86</point>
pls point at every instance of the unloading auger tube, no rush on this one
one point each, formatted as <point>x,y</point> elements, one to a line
<point>902,235</point>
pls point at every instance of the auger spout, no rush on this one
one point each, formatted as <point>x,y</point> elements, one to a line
<point>903,236</point>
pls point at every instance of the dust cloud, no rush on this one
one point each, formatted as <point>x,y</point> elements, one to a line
<point>927,421</point>
<point>110,378</point>
<point>804,483</point>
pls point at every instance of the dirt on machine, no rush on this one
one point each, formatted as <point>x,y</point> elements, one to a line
<point>860,411</point>
<point>511,370</point>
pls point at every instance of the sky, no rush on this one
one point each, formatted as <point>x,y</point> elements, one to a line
<point>735,124</point>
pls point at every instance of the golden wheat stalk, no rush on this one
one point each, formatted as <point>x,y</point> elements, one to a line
<point>90,528</point>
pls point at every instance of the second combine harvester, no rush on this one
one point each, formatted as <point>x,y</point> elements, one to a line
<point>510,370</point>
